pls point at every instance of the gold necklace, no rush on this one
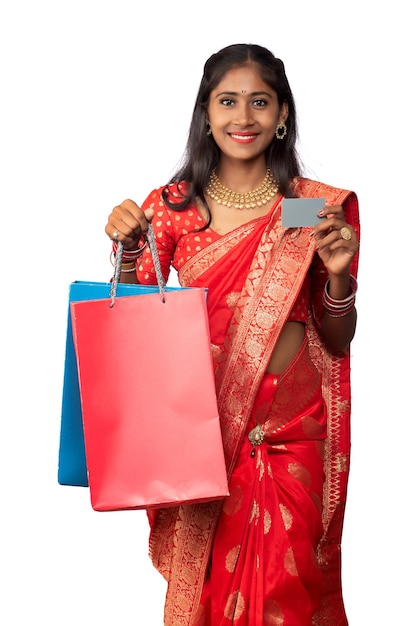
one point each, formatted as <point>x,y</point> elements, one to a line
<point>248,200</point>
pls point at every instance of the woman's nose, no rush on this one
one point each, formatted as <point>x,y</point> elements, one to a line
<point>243,116</point>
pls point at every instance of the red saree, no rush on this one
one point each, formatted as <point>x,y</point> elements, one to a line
<point>269,553</point>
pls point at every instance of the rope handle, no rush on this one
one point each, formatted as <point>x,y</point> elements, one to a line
<point>150,237</point>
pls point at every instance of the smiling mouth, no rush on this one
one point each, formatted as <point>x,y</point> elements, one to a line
<point>242,137</point>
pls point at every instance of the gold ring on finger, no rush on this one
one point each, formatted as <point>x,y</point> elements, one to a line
<point>345,233</point>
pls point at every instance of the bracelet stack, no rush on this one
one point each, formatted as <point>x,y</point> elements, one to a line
<point>129,257</point>
<point>339,308</point>
<point>131,268</point>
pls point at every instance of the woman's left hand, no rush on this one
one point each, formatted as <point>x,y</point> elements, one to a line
<point>336,241</point>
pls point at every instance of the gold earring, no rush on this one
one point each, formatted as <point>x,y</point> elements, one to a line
<point>209,130</point>
<point>281,130</point>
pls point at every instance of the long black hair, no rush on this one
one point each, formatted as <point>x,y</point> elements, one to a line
<point>201,155</point>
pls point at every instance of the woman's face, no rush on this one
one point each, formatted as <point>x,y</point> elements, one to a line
<point>243,113</point>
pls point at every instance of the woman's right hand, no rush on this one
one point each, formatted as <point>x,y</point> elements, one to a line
<point>127,223</point>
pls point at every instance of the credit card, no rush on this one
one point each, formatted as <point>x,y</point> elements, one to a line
<point>301,211</point>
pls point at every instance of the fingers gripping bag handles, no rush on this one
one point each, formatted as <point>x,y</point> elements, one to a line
<point>72,467</point>
<point>150,417</point>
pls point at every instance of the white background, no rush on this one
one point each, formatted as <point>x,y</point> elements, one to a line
<point>96,99</point>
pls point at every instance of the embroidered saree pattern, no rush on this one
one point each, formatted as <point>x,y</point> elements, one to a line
<point>211,582</point>
<point>263,567</point>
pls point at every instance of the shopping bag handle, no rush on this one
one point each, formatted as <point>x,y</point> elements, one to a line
<point>150,237</point>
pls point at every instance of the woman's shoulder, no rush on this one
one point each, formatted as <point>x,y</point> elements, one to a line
<point>171,191</point>
<point>165,196</point>
<point>177,222</point>
<point>309,188</point>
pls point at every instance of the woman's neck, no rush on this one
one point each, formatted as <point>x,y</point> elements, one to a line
<point>241,176</point>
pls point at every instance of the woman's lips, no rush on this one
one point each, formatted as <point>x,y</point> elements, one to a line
<point>243,137</point>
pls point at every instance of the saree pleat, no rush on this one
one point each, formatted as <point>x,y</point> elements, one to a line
<point>264,568</point>
<point>270,553</point>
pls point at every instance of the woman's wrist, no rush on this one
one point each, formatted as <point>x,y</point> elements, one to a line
<point>129,257</point>
<point>339,285</point>
<point>340,306</point>
<point>129,266</point>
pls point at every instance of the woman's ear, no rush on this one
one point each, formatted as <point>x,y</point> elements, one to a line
<point>283,113</point>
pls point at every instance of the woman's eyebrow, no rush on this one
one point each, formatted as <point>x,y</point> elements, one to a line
<point>237,93</point>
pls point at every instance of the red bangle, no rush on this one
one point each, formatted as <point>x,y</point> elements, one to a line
<point>130,255</point>
<point>339,308</point>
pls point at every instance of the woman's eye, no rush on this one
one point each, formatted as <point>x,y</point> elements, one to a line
<point>259,103</point>
<point>227,101</point>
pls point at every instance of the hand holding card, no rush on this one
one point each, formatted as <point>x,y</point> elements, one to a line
<point>301,211</point>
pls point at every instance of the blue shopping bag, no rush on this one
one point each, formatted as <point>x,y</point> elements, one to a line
<point>72,467</point>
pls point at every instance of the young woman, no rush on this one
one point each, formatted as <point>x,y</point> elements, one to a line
<point>282,316</point>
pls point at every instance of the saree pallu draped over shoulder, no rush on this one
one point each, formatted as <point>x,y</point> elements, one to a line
<point>222,560</point>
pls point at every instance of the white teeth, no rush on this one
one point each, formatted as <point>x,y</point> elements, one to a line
<point>243,137</point>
